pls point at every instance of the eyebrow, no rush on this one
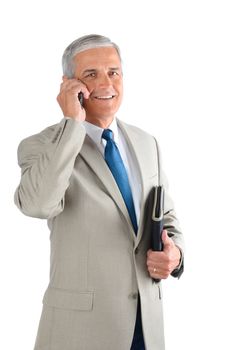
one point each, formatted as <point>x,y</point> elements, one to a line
<point>89,71</point>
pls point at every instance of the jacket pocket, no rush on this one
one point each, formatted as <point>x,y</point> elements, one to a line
<point>69,300</point>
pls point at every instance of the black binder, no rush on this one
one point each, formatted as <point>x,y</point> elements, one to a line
<point>157,219</point>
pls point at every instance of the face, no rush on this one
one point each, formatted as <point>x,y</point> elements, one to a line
<point>100,70</point>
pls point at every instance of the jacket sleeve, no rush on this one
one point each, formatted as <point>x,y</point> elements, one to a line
<point>47,161</point>
<point>171,223</point>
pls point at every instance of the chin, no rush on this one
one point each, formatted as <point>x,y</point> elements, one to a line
<point>106,113</point>
<point>102,108</point>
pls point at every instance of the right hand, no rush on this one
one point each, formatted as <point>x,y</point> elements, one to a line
<point>68,98</point>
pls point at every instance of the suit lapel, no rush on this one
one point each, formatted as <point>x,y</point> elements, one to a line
<point>136,149</point>
<point>94,158</point>
<point>136,145</point>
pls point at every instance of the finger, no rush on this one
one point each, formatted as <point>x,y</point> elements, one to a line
<point>158,273</point>
<point>157,265</point>
<point>155,256</point>
<point>69,84</point>
<point>75,86</point>
<point>155,273</point>
<point>75,90</point>
<point>86,93</point>
<point>164,236</point>
<point>167,242</point>
<point>84,89</point>
<point>149,253</point>
<point>152,269</point>
<point>152,254</point>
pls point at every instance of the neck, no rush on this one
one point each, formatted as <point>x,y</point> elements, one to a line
<point>102,122</point>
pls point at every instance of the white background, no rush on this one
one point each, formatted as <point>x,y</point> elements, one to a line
<point>178,82</point>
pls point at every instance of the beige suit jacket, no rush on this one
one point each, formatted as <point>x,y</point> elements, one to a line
<point>98,265</point>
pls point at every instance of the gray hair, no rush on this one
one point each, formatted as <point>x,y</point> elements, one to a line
<point>83,43</point>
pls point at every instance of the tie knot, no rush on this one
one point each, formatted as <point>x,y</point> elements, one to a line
<point>107,134</point>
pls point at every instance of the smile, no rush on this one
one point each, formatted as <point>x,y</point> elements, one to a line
<point>104,97</point>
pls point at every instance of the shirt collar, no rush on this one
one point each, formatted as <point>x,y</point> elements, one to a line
<point>95,132</point>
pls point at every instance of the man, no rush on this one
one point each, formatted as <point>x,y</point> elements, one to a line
<point>90,175</point>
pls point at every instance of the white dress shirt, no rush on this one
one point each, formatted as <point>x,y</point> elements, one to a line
<point>130,163</point>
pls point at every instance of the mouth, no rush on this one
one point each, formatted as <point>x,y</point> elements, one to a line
<point>108,97</point>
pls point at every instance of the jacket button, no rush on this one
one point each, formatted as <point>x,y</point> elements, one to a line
<point>133,296</point>
<point>136,250</point>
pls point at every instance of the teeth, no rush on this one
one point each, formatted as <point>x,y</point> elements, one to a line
<point>104,97</point>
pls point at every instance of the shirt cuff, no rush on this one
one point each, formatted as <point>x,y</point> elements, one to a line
<point>177,272</point>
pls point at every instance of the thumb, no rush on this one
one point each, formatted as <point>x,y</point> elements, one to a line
<point>167,242</point>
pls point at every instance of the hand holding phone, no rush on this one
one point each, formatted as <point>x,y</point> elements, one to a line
<point>71,98</point>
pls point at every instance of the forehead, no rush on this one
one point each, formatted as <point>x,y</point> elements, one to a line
<point>96,58</point>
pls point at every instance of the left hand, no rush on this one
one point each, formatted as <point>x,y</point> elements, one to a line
<point>161,264</point>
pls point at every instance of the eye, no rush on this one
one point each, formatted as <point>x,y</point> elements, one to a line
<point>113,73</point>
<point>90,75</point>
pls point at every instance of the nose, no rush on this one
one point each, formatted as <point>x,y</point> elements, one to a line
<point>104,80</point>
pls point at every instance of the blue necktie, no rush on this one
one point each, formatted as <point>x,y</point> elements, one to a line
<point>115,163</point>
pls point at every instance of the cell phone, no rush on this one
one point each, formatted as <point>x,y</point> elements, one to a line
<point>81,98</point>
